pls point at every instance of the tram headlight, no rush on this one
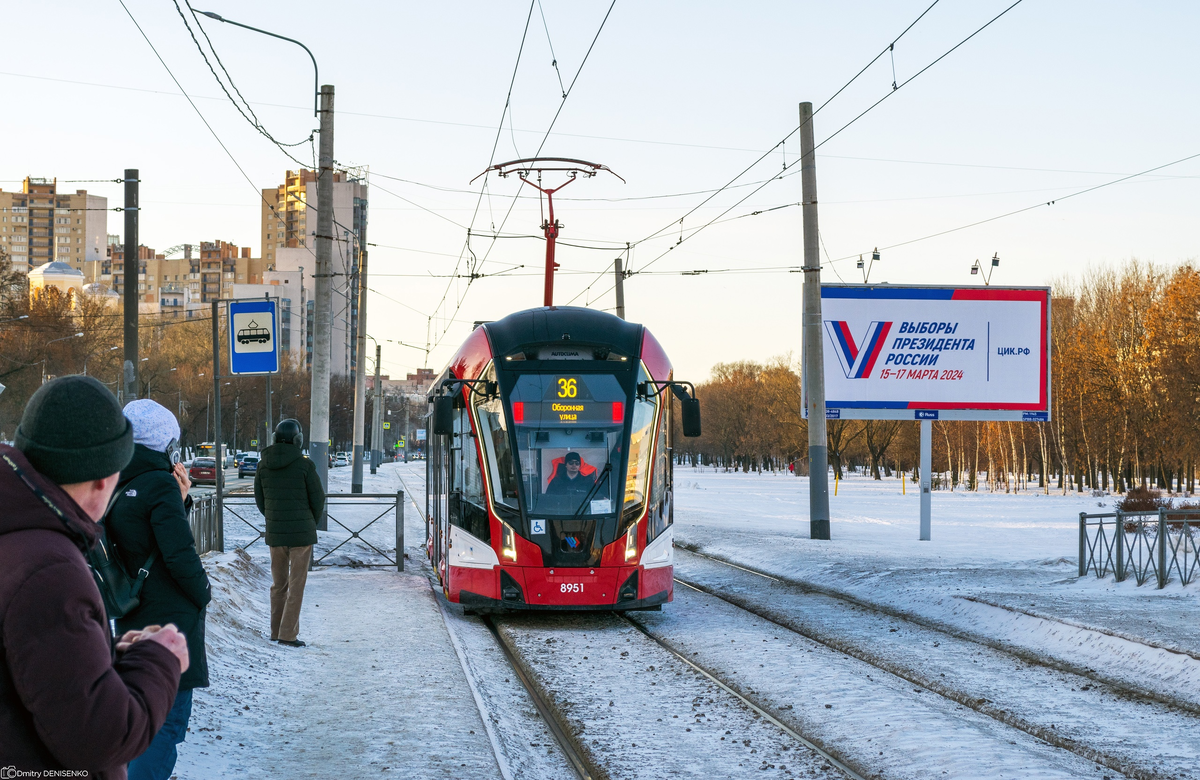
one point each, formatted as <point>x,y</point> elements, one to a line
<point>508,542</point>
<point>631,543</point>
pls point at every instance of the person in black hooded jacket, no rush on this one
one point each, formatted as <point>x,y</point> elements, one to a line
<point>149,518</point>
<point>288,492</point>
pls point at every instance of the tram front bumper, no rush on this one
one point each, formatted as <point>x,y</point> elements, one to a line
<point>593,588</point>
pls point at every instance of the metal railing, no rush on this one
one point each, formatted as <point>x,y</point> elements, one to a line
<point>339,508</point>
<point>205,529</point>
<point>1159,546</point>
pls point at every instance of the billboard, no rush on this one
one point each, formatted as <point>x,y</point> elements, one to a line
<point>895,352</point>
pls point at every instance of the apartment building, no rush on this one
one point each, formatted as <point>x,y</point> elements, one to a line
<point>39,225</point>
<point>183,285</point>
<point>289,224</point>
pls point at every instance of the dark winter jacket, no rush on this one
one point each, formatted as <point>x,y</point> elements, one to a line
<point>66,700</point>
<point>288,493</point>
<point>149,515</point>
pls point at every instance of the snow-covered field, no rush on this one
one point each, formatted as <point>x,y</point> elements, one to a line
<point>977,654</point>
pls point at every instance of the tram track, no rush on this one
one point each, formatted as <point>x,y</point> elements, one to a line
<point>1132,691</point>
<point>814,747</point>
<point>550,717</point>
<point>1001,711</point>
<point>554,721</point>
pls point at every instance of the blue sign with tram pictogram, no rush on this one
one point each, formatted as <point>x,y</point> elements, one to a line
<point>253,342</point>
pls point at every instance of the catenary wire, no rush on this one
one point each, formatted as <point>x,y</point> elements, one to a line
<point>253,122</point>
<point>829,138</point>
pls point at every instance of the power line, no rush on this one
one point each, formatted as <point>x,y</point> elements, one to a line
<point>1034,206</point>
<point>422,208</point>
<point>553,58</point>
<point>491,159</point>
<point>818,110</point>
<point>829,138</point>
<point>762,157</point>
<point>553,121</point>
<point>253,121</point>
<point>195,108</point>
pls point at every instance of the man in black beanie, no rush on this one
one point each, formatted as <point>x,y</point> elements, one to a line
<point>70,698</point>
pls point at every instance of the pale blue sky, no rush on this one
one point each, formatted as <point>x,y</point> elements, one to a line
<point>1054,97</point>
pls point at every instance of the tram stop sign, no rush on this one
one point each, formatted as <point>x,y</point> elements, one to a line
<point>253,346</point>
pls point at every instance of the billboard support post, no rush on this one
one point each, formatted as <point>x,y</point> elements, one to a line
<point>813,351</point>
<point>926,479</point>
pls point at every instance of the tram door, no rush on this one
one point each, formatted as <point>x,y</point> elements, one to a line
<point>437,465</point>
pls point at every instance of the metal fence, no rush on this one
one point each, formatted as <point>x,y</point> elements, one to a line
<point>353,514</point>
<point>1158,546</point>
<point>205,528</point>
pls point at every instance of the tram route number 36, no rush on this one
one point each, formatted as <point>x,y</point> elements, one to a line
<point>571,587</point>
<point>567,388</point>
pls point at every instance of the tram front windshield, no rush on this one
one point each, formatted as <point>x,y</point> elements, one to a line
<point>569,432</point>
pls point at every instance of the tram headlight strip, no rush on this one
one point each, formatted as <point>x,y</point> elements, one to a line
<point>631,543</point>
<point>508,542</point>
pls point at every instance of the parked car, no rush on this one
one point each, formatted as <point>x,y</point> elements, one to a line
<point>341,460</point>
<point>249,465</point>
<point>203,470</point>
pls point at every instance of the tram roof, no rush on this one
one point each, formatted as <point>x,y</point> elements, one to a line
<point>564,323</point>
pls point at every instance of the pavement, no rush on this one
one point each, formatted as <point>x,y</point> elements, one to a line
<point>379,689</point>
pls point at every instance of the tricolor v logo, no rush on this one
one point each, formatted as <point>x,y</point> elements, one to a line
<point>857,363</point>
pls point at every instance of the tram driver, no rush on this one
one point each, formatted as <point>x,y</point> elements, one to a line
<point>570,478</point>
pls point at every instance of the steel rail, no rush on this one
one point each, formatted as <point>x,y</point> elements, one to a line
<point>1006,718</point>
<point>820,751</point>
<point>544,708</point>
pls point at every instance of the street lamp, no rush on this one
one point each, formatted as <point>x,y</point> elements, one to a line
<point>977,269</point>
<point>14,319</point>
<point>316,79</point>
<point>89,355</point>
<point>47,357</point>
<point>866,269</point>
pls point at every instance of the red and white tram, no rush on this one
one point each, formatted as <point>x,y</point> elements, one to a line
<point>549,469</point>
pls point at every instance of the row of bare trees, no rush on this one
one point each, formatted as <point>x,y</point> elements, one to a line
<point>1125,346</point>
<point>38,341</point>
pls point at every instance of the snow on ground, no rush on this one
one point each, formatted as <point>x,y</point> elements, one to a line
<point>879,723</point>
<point>379,690</point>
<point>1014,554</point>
<point>1055,706</point>
<point>382,683</point>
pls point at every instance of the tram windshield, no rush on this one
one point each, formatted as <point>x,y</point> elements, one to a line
<point>569,440</point>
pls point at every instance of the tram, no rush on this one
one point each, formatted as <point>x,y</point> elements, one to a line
<point>549,470</point>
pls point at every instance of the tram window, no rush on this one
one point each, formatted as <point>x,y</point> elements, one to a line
<point>568,432</point>
<point>493,434</point>
<point>660,511</point>
<point>467,508</point>
<point>640,441</point>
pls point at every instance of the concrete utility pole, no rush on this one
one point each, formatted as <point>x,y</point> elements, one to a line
<point>360,376</point>
<point>619,273</point>
<point>218,453</point>
<point>318,420</point>
<point>132,264</point>
<point>814,354</point>
<point>377,422</point>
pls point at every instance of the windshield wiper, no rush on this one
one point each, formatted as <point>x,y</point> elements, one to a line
<point>599,481</point>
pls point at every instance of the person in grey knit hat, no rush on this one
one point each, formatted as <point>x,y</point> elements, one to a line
<point>148,525</point>
<point>73,698</point>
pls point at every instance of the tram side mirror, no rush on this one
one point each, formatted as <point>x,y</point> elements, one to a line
<point>691,417</point>
<point>443,415</point>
